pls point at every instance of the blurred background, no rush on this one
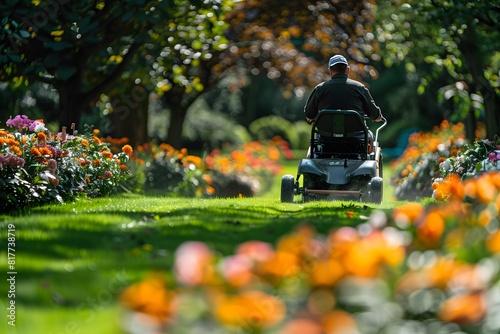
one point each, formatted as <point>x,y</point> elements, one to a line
<point>217,73</point>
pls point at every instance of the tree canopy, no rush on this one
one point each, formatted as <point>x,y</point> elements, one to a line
<point>459,40</point>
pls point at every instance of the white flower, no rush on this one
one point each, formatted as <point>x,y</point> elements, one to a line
<point>40,127</point>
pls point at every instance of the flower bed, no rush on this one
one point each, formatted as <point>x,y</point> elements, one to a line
<point>37,166</point>
<point>434,155</point>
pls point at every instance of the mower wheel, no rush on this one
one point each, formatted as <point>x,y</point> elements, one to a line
<point>375,190</point>
<point>287,188</point>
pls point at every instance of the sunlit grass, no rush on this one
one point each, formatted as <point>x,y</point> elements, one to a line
<point>92,248</point>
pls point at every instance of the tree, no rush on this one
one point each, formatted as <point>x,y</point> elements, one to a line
<point>182,54</point>
<point>81,48</point>
<point>459,39</point>
<point>289,42</point>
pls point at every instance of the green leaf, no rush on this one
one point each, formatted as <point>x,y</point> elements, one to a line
<point>4,21</point>
<point>24,33</point>
<point>65,71</point>
<point>15,58</point>
<point>58,46</point>
<point>52,60</point>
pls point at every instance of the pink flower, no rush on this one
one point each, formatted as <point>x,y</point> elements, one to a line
<point>256,250</point>
<point>193,263</point>
<point>20,122</point>
<point>494,156</point>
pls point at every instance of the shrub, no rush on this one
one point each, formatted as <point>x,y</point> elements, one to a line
<point>268,127</point>
<point>245,171</point>
<point>482,155</point>
<point>212,130</point>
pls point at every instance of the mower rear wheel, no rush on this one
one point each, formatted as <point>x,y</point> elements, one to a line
<point>375,190</point>
<point>287,188</point>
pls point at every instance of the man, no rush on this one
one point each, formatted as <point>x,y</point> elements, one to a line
<point>340,92</point>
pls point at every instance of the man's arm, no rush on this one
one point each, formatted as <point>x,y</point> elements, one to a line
<point>370,108</point>
<point>311,107</point>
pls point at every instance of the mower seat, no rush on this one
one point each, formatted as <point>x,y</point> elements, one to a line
<point>340,134</point>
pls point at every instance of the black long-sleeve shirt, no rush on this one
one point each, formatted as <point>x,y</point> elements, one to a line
<point>340,92</point>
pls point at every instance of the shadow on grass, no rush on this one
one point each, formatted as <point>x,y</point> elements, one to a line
<point>68,255</point>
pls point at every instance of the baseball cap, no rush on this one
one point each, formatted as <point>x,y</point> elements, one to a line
<point>337,59</point>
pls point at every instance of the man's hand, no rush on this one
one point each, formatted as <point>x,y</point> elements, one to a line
<point>309,120</point>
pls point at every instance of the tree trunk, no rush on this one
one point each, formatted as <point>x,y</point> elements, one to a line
<point>473,59</point>
<point>129,117</point>
<point>72,103</point>
<point>492,115</point>
<point>177,117</point>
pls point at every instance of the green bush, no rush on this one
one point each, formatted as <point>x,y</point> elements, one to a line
<point>268,127</point>
<point>209,129</point>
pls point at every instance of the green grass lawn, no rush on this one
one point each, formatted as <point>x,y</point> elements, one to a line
<point>73,260</point>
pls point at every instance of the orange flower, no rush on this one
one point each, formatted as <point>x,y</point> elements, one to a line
<point>464,309</point>
<point>123,167</point>
<point>96,140</point>
<point>128,150</point>
<point>107,154</point>
<point>167,148</point>
<point>210,190</point>
<point>208,179</point>
<point>16,150</point>
<point>41,136</point>
<point>193,159</point>
<point>45,151</point>
<point>273,153</point>
<point>326,273</point>
<point>440,274</point>
<point>35,151</point>
<point>486,191</point>
<point>239,157</point>
<point>250,310</point>
<point>282,264</point>
<point>85,142</point>
<point>366,257</point>
<point>493,242</point>
<point>407,213</point>
<point>431,228</point>
<point>338,322</point>
<point>150,297</point>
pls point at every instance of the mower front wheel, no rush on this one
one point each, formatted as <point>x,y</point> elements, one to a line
<point>287,188</point>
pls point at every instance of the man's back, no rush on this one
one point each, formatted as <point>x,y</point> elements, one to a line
<point>340,92</point>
